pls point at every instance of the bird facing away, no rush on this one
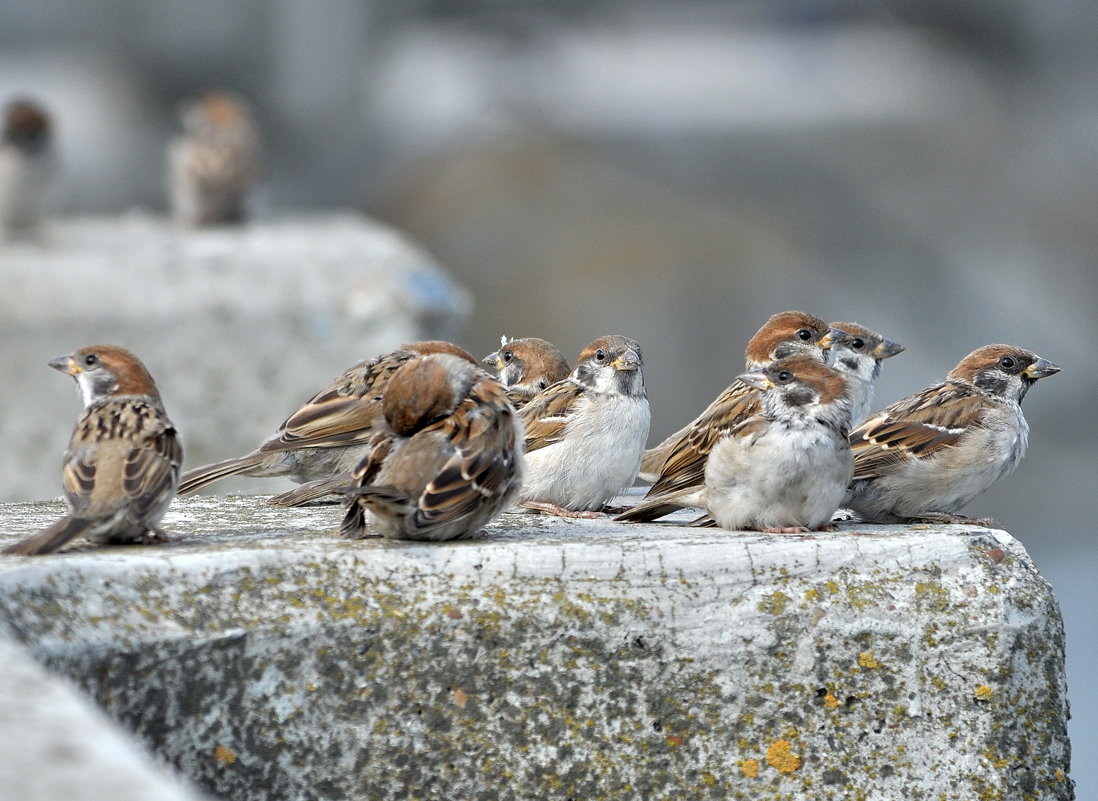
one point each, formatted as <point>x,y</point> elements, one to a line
<point>785,469</point>
<point>585,435</point>
<point>928,455</point>
<point>527,366</point>
<point>447,460</point>
<point>122,464</point>
<point>319,445</point>
<point>677,464</point>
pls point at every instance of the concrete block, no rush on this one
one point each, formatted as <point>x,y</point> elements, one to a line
<point>55,745</point>
<point>238,325</point>
<point>551,659</point>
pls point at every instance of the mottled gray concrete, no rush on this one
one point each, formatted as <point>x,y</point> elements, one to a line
<point>552,659</point>
<point>239,325</point>
<point>56,746</point>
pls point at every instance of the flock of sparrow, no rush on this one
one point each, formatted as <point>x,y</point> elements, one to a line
<point>422,443</point>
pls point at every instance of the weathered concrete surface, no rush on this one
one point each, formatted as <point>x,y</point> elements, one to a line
<point>55,745</point>
<point>552,659</point>
<point>239,325</point>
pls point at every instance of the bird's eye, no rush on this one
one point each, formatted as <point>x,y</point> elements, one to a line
<point>508,355</point>
<point>91,360</point>
<point>1007,362</point>
<point>857,343</point>
<point>543,383</point>
<point>804,335</point>
<point>785,376</point>
<point>600,355</point>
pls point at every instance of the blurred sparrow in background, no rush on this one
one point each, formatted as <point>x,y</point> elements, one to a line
<point>214,162</point>
<point>28,165</point>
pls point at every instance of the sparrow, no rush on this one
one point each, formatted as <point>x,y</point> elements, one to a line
<point>28,165</point>
<point>858,356</point>
<point>122,464</point>
<point>677,465</point>
<point>447,460</point>
<point>214,162</point>
<point>585,434</point>
<point>527,366</point>
<point>322,441</point>
<point>926,456</point>
<point>785,469</point>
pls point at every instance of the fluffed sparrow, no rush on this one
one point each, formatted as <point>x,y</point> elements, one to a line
<point>785,469</point>
<point>28,165</point>
<point>527,366</point>
<point>585,435</point>
<point>448,460</point>
<point>122,464</point>
<point>928,455</point>
<point>215,161</point>
<point>322,441</point>
<point>677,465</point>
<point>858,356</point>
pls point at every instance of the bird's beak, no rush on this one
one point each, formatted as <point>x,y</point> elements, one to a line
<point>756,379</point>
<point>630,360</point>
<point>66,364</point>
<point>1042,368</point>
<point>887,349</point>
<point>494,360</point>
<point>834,336</point>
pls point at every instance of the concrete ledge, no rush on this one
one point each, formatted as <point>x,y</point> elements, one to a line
<point>550,659</point>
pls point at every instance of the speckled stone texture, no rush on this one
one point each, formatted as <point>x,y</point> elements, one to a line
<point>551,659</point>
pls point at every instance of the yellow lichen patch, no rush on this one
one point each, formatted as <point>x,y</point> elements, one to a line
<point>1060,777</point>
<point>774,603</point>
<point>868,661</point>
<point>224,756</point>
<point>984,693</point>
<point>830,701</point>
<point>750,768</point>
<point>781,757</point>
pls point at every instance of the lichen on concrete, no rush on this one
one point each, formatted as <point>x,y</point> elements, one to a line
<point>551,659</point>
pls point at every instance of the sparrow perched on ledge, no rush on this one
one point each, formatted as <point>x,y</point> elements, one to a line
<point>585,435</point>
<point>122,464</point>
<point>28,165</point>
<point>858,356</point>
<point>527,366</point>
<point>215,161</point>
<point>926,456</point>
<point>785,469</point>
<point>677,465</point>
<point>322,441</point>
<point>447,460</point>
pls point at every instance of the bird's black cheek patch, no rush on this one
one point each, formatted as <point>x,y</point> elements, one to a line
<point>993,382</point>
<point>799,396</point>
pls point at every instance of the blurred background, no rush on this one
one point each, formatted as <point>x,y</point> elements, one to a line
<point>673,170</point>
